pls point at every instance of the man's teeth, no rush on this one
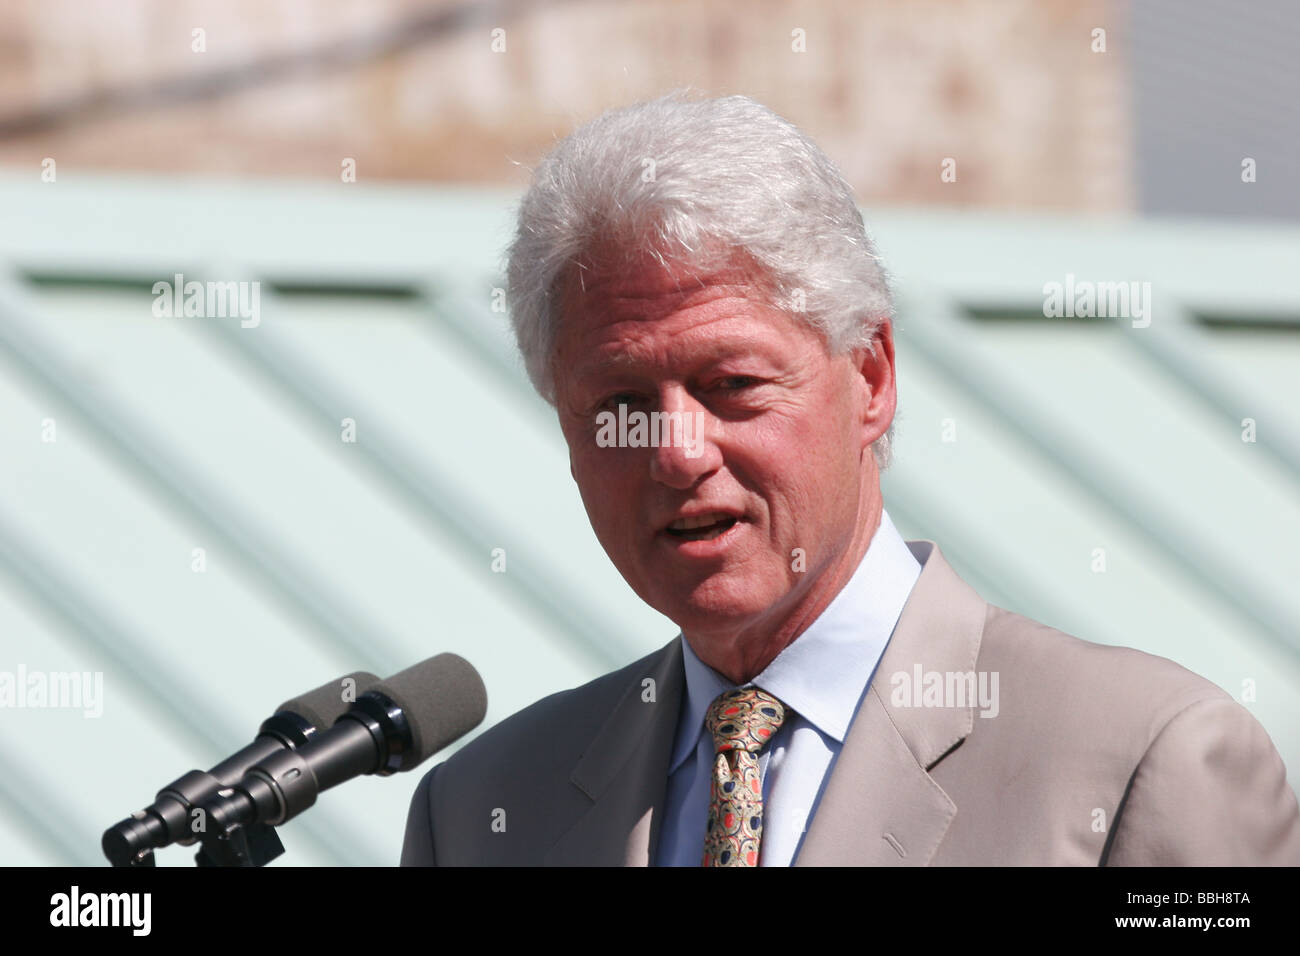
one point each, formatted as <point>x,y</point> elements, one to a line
<point>711,533</point>
<point>703,527</point>
<point>702,521</point>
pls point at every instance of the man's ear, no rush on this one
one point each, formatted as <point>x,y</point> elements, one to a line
<point>874,367</point>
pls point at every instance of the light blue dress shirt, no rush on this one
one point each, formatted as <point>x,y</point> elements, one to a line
<point>821,676</point>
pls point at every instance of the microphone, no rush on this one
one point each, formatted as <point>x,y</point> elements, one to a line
<point>167,820</point>
<point>392,727</point>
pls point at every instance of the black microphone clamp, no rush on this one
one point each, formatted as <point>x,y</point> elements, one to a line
<point>372,737</point>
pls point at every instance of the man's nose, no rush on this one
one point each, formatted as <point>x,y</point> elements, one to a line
<point>686,451</point>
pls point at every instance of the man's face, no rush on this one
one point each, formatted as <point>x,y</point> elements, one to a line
<point>776,478</point>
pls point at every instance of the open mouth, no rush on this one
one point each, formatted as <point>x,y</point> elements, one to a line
<point>702,528</point>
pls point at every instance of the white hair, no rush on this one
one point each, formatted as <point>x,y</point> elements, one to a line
<point>676,177</point>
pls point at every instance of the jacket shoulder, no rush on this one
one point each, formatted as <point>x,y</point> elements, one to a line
<point>1189,774</point>
<point>1047,671</point>
<point>561,722</point>
<point>541,744</point>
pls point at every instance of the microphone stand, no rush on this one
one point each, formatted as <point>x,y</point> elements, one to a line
<point>239,844</point>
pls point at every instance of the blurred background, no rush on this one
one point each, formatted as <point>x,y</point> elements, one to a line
<point>216,513</point>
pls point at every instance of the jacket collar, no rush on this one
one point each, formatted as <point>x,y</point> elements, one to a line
<point>880,806</point>
<point>624,770</point>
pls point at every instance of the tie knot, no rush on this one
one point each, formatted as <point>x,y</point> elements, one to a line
<point>744,719</point>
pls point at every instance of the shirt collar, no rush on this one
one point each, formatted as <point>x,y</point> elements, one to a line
<point>822,674</point>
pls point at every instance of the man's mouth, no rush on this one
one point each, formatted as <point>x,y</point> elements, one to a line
<point>702,527</point>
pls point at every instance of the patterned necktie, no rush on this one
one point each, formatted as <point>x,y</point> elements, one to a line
<point>742,722</point>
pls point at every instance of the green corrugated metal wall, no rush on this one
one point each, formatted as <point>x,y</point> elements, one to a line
<point>1025,444</point>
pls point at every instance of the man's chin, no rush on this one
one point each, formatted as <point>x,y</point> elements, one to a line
<point>713,610</point>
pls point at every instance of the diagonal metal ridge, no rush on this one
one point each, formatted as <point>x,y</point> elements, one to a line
<point>433,496</point>
<point>45,818</point>
<point>275,572</point>
<point>934,329</point>
<point>447,302</point>
<point>183,706</point>
<point>1175,345</point>
<point>984,573</point>
<point>453,311</point>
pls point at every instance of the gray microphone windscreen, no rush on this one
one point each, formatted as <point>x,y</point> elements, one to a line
<point>328,702</point>
<point>443,698</point>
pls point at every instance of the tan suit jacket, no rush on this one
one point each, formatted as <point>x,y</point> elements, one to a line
<point>1097,755</point>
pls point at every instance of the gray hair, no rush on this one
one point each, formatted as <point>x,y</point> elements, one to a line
<point>675,177</point>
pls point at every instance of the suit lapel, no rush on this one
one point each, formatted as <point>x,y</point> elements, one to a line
<point>625,772</point>
<point>880,806</point>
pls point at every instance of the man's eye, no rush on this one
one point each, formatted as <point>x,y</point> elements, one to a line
<point>620,398</point>
<point>736,383</point>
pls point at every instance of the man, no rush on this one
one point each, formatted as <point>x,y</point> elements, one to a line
<point>836,695</point>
